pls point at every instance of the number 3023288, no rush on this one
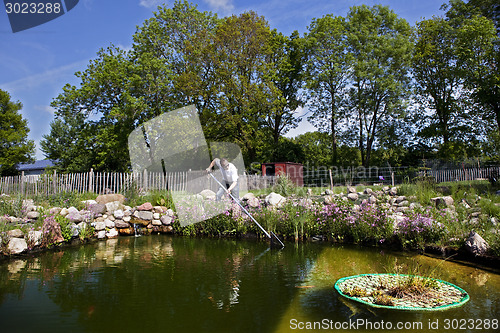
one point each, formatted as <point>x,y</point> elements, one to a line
<point>33,8</point>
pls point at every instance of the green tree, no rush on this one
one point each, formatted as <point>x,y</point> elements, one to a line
<point>329,67</point>
<point>287,55</point>
<point>316,148</point>
<point>14,144</point>
<point>381,44</point>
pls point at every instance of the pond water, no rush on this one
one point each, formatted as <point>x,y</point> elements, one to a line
<point>173,284</point>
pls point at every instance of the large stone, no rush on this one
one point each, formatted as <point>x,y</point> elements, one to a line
<point>275,199</point>
<point>166,219</point>
<point>109,224</point>
<point>248,196</point>
<point>476,245</point>
<point>393,191</point>
<point>145,206</point>
<point>351,189</point>
<point>253,202</point>
<point>101,234</point>
<point>89,203</point>
<point>126,231</point>
<point>97,208</point>
<point>368,191</point>
<point>156,222</point>
<point>73,210</point>
<point>111,207</point>
<point>75,217</point>
<point>55,210</point>
<point>33,215</point>
<point>372,199</point>
<point>100,226</point>
<point>208,194</point>
<point>144,215</point>
<point>34,237</point>
<point>17,245</point>
<point>118,214</point>
<point>353,196</point>
<point>121,224</point>
<point>440,201</point>
<point>15,233</point>
<point>400,199</point>
<point>64,212</point>
<point>112,233</point>
<point>106,198</point>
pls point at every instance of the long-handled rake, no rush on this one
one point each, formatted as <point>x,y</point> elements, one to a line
<point>272,236</point>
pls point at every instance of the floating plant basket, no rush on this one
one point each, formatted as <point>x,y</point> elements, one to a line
<point>377,290</point>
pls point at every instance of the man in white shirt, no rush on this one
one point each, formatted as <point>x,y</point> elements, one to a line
<point>229,178</point>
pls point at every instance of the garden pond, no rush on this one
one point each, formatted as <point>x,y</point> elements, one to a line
<point>162,283</point>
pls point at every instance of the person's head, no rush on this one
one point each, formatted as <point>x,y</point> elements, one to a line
<point>224,163</point>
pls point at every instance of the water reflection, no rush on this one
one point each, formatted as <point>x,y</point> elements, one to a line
<point>160,283</point>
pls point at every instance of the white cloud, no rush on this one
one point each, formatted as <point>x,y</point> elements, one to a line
<point>37,80</point>
<point>222,5</point>
<point>150,3</point>
<point>45,108</point>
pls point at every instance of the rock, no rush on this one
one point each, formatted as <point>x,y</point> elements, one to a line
<point>386,189</point>
<point>100,226</point>
<point>72,210</point>
<point>393,191</point>
<point>351,189</point>
<point>111,207</point>
<point>309,192</point>
<point>402,209</point>
<point>109,224</point>
<point>275,199</point>
<point>97,208</point>
<point>399,199</point>
<point>208,194</point>
<point>64,212</point>
<point>465,204</point>
<point>89,203</point>
<point>17,245</point>
<point>156,222</point>
<point>159,209</point>
<point>126,218</point>
<point>121,224</point>
<point>405,203</point>
<point>143,215</point>
<point>253,202</point>
<point>368,191</point>
<point>248,196</point>
<point>372,200</point>
<point>112,233</point>
<point>126,231</point>
<point>101,234</point>
<point>353,196</point>
<point>75,217</point>
<point>166,219</point>
<point>170,212</point>
<point>476,245</point>
<point>33,215</point>
<point>34,237</point>
<point>438,201</point>
<point>16,233</point>
<point>328,192</point>
<point>142,222</point>
<point>156,216</point>
<point>55,210</point>
<point>145,206</point>
<point>119,214</point>
<point>75,231</point>
<point>107,198</point>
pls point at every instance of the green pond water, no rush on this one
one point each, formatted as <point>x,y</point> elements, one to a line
<point>173,284</point>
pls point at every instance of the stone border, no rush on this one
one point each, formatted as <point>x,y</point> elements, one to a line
<point>365,281</point>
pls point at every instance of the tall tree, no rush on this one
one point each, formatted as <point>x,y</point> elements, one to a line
<point>381,45</point>
<point>328,71</point>
<point>287,55</point>
<point>14,144</point>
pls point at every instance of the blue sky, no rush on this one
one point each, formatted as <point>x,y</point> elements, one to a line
<point>36,63</point>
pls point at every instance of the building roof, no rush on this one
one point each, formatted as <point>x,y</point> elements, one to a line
<point>38,165</point>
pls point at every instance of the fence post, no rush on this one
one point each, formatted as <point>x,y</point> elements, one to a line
<point>145,180</point>
<point>91,180</point>
<point>54,182</point>
<point>22,183</point>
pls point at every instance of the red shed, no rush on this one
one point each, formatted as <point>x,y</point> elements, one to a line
<point>294,170</point>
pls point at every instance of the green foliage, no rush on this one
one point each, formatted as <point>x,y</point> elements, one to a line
<point>65,224</point>
<point>11,206</point>
<point>14,144</point>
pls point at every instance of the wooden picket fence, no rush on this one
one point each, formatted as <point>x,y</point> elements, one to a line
<point>115,182</point>
<point>464,174</point>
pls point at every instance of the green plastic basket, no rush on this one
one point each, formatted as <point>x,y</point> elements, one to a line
<point>463,300</point>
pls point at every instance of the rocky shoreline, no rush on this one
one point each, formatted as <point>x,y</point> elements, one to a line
<point>109,216</point>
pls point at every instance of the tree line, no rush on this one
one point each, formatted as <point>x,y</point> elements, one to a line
<point>378,89</point>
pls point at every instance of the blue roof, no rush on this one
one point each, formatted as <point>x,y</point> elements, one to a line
<point>38,165</point>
